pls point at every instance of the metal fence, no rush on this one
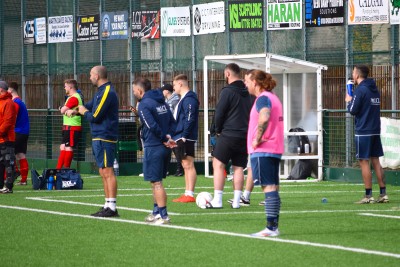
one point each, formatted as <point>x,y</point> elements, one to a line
<point>46,135</point>
<point>338,137</point>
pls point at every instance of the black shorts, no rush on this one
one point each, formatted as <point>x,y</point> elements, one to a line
<point>185,148</point>
<point>231,148</point>
<point>21,143</point>
<point>70,138</point>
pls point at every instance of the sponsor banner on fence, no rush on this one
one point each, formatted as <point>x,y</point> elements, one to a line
<point>246,15</point>
<point>146,24</point>
<point>368,11</point>
<point>390,137</point>
<point>175,21</point>
<point>114,25</point>
<point>87,28</point>
<point>284,14</point>
<point>208,18</point>
<point>29,32</point>
<point>394,10</point>
<point>40,30</point>
<point>324,13</point>
<point>60,29</point>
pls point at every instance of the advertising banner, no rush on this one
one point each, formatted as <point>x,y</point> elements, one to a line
<point>246,15</point>
<point>40,30</point>
<point>29,32</point>
<point>60,29</point>
<point>368,12</point>
<point>114,25</point>
<point>324,13</point>
<point>87,28</point>
<point>394,8</point>
<point>146,24</point>
<point>390,137</point>
<point>175,21</point>
<point>284,14</point>
<point>208,18</point>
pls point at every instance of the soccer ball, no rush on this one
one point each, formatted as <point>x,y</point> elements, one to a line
<point>203,199</point>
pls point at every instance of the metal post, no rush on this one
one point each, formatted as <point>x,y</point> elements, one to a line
<point>74,38</point>
<point>265,15</point>
<point>349,124</point>
<point>101,42</point>
<point>193,57</point>
<point>22,52</point>
<point>393,48</point>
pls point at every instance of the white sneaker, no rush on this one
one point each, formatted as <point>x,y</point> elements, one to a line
<point>151,218</point>
<point>212,205</point>
<point>161,221</point>
<point>383,199</point>
<point>266,233</point>
<point>141,175</point>
<point>366,200</point>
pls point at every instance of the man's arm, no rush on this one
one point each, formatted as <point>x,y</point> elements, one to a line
<point>8,119</point>
<point>149,122</point>
<point>263,120</point>
<point>190,109</point>
<point>220,111</point>
<point>107,99</point>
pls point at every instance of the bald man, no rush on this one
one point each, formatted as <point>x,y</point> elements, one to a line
<point>102,113</point>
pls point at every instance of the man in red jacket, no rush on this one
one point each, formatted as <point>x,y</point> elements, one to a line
<point>8,117</point>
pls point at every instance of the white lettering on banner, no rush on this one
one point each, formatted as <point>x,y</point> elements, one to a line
<point>327,3</point>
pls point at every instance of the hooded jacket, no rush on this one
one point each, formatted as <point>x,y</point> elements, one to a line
<point>156,118</point>
<point>365,106</point>
<point>8,117</point>
<point>233,110</point>
<point>103,114</point>
<point>187,117</point>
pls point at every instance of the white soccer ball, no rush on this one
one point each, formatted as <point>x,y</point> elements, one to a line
<point>203,199</point>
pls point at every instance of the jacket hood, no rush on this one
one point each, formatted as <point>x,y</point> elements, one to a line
<point>369,83</point>
<point>6,96</point>
<point>239,87</point>
<point>155,95</point>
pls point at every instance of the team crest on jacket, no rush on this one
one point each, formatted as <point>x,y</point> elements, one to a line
<point>162,109</point>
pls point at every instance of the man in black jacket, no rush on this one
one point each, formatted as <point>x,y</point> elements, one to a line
<point>231,122</point>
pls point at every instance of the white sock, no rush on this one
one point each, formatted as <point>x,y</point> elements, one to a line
<point>189,193</point>
<point>112,203</point>
<point>236,198</point>
<point>246,194</point>
<point>217,200</point>
<point>106,203</point>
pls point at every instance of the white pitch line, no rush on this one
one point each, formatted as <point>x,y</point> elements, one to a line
<point>90,204</point>
<point>380,215</point>
<point>202,230</point>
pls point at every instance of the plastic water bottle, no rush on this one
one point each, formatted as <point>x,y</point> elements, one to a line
<point>50,183</point>
<point>306,148</point>
<point>350,87</point>
<point>116,167</point>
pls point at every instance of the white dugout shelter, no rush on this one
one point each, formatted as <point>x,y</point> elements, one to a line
<point>299,86</point>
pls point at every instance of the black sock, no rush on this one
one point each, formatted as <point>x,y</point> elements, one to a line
<point>382,190</point>
<point>368,192</point>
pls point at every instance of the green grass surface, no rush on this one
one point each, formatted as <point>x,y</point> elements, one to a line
<point>52,228</point>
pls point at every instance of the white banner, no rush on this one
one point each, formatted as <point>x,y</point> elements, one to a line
<point>390,137</point>
<point>29,32</point>
<point>60,29</point>
<point>175,21</point>
<point>40,30</point>
<point>208,18</point>
<point>394,12</point>
<point>284,14</point>
<point>368,12</point>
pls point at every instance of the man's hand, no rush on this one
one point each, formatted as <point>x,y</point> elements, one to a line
<point>256,143</point>
<point>82,109</point>
<point>70,113</point>
<point>348,98</point>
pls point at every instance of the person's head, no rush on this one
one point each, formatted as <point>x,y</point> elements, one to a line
<point>3,87</point>
<point>167,90</point>
<point>13,88</point>
<point>360,72</point>
<point>231,73</point>
<point>98,75</point>
<point>70,86</point>
<point>258,81</point>
<point>181,84</point>
<point>140,86</point>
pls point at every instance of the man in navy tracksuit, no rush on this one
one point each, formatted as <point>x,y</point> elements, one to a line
<point>186,115</point>
<point>157,127</point>
<point>102,113</point>
<point>365,106</point>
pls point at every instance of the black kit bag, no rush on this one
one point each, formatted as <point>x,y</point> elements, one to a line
<point>68,179</point>
<point>295,141</point>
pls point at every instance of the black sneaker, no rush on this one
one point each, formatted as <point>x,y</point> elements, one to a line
<point>5,190</point>
<point>243,202</point>
<point>96,213</point>
<point>107,212</point>
<point>179,174</point>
